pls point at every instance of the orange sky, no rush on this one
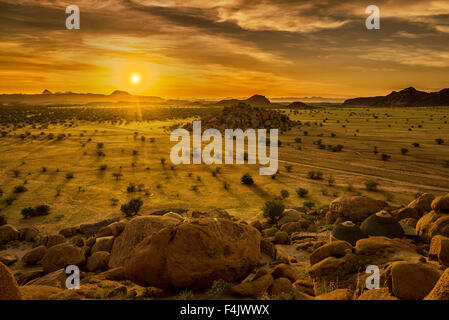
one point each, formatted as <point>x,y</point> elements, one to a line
<point>217,49</point>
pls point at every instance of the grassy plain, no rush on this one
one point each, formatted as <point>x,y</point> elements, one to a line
<point>44,166</point>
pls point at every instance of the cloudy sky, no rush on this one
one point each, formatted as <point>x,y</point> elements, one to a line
<point>223,48</point>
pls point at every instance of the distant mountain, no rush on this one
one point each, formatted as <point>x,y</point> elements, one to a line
<point>70,98</point>
<point>409,97</point>
<point>255,101</point>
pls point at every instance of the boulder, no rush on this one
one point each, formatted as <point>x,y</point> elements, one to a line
<point>441,204</point>
<point>52,240</point>
<point>28,234</point>
<point>332,249</point>
<point>116,274</point>
<point>78,241</point>
<point>406,213</point>
<point>297,226</point>
<point>338,294</point>
<point>426,223</point>
<point>281,286</point>
<point>174,215</point>
<point>422,203</point>
<point>9,290</point>
<point>356,208</point>
<point>68,295</point>
<point>103,244</point>
<point>410,222</point>
<point>135,231</point>
<point>26,276</point>
<point>55,279</point>
<point>34,256</point>
<point>69,232</point>
<point>440,227</point>
<point>62,255</point>
<point>38,292</point>
<point>281,237</point>
<point>289,215</point>
<point>439,250</point>
<point>114,229</point>
<point>195,254</point>
<point>332,268</point>
<point>380,250</point>
<point>441,289</point>
<point>411,280</point>
<point>285,271</point>
<point>305,287</point>
<point>382,224</point>
<point>98,261</point>
<point>90,229</point>
<point>349,232</point>
<point>8,258</point>
<point>268,248</point>
<point>377,294</point>
<point>252,289</point>
<point>8,233</point>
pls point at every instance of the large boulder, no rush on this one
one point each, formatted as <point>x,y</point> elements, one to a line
<point>332,249</point>
<point>380,250</point>
<point>28,233</point>
<point>298,226</point>
<point>349,232</point>
<point>103,244</point>
<point>90,229</point>
<point>35,255</point>
<point>252,289</point>
<point>382,224</point>
<point>406,213</point>
<point>441,289</point>
<point>9,290</point>
<point>441,204</point>
<point>55,279</point>
<point>439,250</point>
<point>38,292</point>
<point>195,254</point>
<point>62,255</point>
<point>289,215</point>
<point>8,233</point>
<point>422,203</point>
<point>356,208</point>
<point>52,240</point>
<point>114,229</point>
<point>411,280</point>
<point>426,223</point>
<point>440,227</point>
<point>135,231</point>
<point>98,261</point>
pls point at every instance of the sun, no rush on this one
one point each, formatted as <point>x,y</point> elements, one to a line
<point>135,78</point>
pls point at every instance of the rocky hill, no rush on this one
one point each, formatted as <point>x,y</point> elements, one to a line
<point>299,105</point>
<point>409,97</point>
<point>255,101</point>
<point>243,116</point>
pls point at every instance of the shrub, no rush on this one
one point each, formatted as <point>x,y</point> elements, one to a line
<point>308,204</point>
<point>117,175</point>
<point>285,194</point>
<point>20,189</point>
<point>273,209</point>
<point>9,201</point>
<point>132,208</point>
<point>385,157</point>
<point>439,141</point>
<point>331,181</point>
<point>371,185</point>
<point>69,175</point>
<point>415,144</point>
<point>103,167</point>
<point>131,188</point>
<point>42,210</point>
<point>404,151</point>
<point>315,175</point>
<point>289,168</point>
<point>2,220</point>
<point>301,192</point>
<point>247,179</point>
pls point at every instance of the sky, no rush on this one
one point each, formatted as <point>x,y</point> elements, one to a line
<point>185,49</point>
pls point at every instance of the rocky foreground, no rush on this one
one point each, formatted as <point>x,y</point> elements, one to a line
<point>215,256</point>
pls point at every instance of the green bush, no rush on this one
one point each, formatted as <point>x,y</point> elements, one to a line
<point>273,209</point>
<point>132,208</point>
<point>315,175</point>
<point>42,210</point>
<point>247,179</point>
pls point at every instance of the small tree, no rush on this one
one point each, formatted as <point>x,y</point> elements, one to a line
<point>273,209</point>
<point>117,175</point>
<point>132,208</point>
<point>385,157</point>
<point>439,141</point>
<point>404,151</point>
<point>20,189</point>
<point>247,179</point>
